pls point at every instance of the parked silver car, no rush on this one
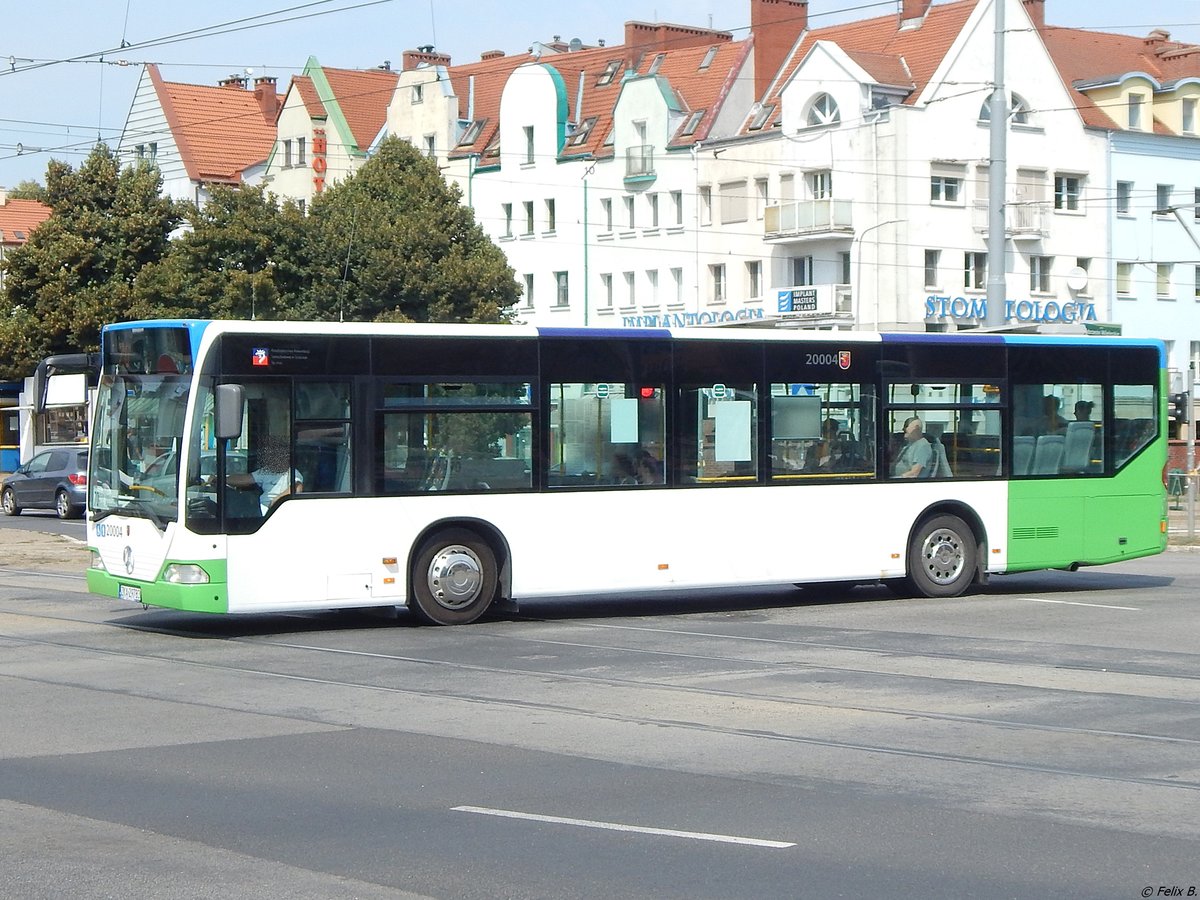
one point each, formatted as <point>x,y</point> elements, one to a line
<point>53,479</point>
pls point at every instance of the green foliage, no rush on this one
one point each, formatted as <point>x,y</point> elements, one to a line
<point>28,190</point>
<point>390,243</point>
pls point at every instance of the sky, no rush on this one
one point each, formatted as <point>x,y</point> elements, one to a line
<point>68,70</point>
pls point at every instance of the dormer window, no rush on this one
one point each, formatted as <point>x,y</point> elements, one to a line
<point>609,73</point>
<point>471,135</point>
<point>582,130</point>
<point>693,123</point>
<point>761,114</point>
<point>1189,115</point>
<point>708,58</point>
<point>657,64</point>
<point>824,111</point>
<point>1136,101</point>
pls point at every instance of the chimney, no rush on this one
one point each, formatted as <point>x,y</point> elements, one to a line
<point>1037,12</point>
<point>1157,37</point>
<point>642,37</point>
<point>775,25</point>
<point>912,11</point>
<point>3,197</point>
<point>491,54</point>
<point>267,97</point>
<point>423,56</point>
<point>236,81</point>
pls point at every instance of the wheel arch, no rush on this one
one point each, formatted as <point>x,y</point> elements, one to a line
<point>967,513</point>
<point>486,531</point>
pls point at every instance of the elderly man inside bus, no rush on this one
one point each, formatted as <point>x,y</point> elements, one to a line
<point>916,456</point>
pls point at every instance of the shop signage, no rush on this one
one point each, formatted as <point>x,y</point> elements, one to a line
<point>685,320</point>
<point>320,147</point>
<point>1044,311</point>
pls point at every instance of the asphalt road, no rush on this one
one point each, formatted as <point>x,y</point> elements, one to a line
<point>1041,739</point>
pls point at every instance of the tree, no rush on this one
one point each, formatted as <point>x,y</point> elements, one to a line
<point>241,258</point>
<point>77,270</point>
<point>28,190</point>
<point>393,243</point>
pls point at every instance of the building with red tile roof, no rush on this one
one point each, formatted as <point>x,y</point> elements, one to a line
<point>328,121</point>
<point>200,135</point>
<point>18,219</point>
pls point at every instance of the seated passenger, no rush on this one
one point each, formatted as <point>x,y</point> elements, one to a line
<point>916,456</point>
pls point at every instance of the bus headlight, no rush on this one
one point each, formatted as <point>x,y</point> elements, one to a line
<point>184,573</point>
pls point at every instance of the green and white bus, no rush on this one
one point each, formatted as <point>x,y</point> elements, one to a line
<point>250,467</point>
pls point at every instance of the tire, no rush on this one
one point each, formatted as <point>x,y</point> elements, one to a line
<point>942,557</point>
<point>9,502</point>
<point>64,507</point>
<point>454,578</point>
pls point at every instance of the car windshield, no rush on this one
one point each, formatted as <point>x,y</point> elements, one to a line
<point>135,447</point>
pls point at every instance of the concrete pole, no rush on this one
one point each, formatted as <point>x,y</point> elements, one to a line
<point>998,131</point>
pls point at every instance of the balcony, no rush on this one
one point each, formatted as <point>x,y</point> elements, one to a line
<point>803,219</point>
<point>639,164</point>
<point>1023,220</point>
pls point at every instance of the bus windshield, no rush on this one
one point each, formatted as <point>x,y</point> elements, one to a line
<point>135,448</point>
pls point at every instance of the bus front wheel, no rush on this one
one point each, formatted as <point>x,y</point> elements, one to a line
<point>453,578</point>
<point>941,557</point>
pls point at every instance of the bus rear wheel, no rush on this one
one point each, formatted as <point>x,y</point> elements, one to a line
<point>942,557</point>
<point>453,577</point>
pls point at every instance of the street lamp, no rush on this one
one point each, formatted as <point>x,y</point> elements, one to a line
<point>858,270</point>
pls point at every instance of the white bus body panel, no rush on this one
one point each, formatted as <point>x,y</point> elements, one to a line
<point>601,541</point>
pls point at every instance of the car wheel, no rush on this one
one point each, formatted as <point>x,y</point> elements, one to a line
<point>9,501</point>
<point>64,507</point>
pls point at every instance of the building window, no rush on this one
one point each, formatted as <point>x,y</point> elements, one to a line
<point>932,259</point>
<point>1124,197</point>
<point>693,122</point>
<point>706,205</point>
<point>529,157</point>
<point>430,141</point>
<point>561,293</point>
<point>760,198</point>
<point>802,270</point>
<point>630,289</point>
<point>606,213</point>
<point>1189,115</point>
<point>507,208</point>
<point>974,271</point>
<point>418,93</point>
<point>820,184</point>
<point>300,159</point>
<point>944,189</point>
<point>652,281</point>
<point>1066,192</point>
<point>551,217</point>
<point>1196,207</point>
<point>677,206</point>
<point>677,286</point>
<point>1039,274</point>
<point>606,290</point>
<point>1196,281</point>
<point>287,154</point>
<point>652,201</point>
<point>1162,199</point>
<point>733,201</point>
<point>844,260</point>
<point>529,290</point>
<point>754,279</point>
<point>1162,280</point>
<point>717,279</point>
<point>528,205</point>
<point>579,136</point>
<point>1135,110</point>
<point>1125,278</point>
<point>709,56</point>
<point>630,213</point>
<point>609,73</point>
<point>824,111</point>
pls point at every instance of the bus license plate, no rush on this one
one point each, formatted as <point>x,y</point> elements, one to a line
<point>129,592</point>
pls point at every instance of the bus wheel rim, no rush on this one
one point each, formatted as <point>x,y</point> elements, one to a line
<point>942,554</point>
<point>455,577</point>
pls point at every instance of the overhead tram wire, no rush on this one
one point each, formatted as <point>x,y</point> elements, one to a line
<point>207,31</point>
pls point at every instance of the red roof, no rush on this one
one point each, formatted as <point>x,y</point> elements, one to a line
<point>364,96</point>
<point>1097,56</point>
<point>220,131</point>
<point>890,54</point>
<point>18,218</point>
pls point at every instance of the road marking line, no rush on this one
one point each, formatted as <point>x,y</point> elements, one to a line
<point>614,826</point>
<point>1075,603</point>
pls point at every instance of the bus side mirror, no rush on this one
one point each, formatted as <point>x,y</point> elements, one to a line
<point>229,407</point>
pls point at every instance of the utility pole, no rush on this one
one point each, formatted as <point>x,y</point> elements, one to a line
<point>998,131</point>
